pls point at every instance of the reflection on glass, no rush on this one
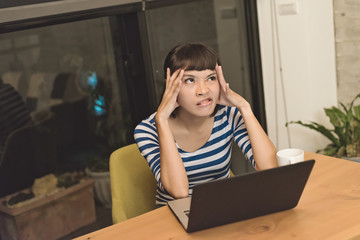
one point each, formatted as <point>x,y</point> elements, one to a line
<point>70,69</point>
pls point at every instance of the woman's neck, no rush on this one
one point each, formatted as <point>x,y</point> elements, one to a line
<point>191,133</point>
<point>192,123</point>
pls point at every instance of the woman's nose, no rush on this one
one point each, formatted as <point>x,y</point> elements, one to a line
<point>201,89</point>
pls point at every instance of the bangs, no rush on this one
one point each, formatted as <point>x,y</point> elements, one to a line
<point>190,57</point>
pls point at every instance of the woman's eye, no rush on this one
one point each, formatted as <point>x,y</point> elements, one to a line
<point>189,80</point>
<point>212,78</point>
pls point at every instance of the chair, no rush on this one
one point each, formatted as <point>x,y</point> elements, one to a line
<point>133,186</point>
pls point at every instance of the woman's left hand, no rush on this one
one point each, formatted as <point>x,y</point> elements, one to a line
<point>264,151</point>
<point>227,96</point>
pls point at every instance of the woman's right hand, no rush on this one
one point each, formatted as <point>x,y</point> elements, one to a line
<point>172,174</point>
<point>169,100</point>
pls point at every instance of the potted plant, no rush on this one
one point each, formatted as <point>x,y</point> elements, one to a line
<point>54,206</point>
<point>345,135</point>
<point>98,169</point>
<point>111,130</point>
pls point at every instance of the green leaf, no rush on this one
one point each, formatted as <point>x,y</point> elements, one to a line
<point>343,135</point>
<point>356,136</point>
<point>330,150</point>
<point>336,116</point>
<point>356,112</point>
<point>344,107</point>
<point>341,151</point>
<point>352,102</point>
<point>351,150</point>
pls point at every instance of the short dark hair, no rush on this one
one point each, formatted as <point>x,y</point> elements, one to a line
<point>191,56</point>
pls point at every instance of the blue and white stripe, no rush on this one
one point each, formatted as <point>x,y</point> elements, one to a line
<point>208,163</point>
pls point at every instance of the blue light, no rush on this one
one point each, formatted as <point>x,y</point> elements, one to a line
<point>92,80</point>
<point>100,106</point>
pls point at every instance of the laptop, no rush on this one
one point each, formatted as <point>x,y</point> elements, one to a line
<point>242,197</point>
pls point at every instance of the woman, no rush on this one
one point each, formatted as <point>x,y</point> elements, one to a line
<point>188,140</point>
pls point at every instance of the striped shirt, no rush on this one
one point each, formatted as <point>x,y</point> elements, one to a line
<point>13,113</point>
<point>208,163</point>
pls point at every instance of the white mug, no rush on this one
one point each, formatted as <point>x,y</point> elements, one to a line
<point>290,156</point>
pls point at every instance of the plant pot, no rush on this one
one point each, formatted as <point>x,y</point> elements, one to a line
<point>50,217</point>
<point>102,186</point>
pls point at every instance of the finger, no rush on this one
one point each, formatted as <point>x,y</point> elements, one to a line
<point>221,78</point>
<point>177,76</point>
<point>181,74</point>
<point>170,78</point>
<point>176,104</point>
<point>174,84</point>
<point>167,74</point>
<point>167,79</point>
<point>178,81</point>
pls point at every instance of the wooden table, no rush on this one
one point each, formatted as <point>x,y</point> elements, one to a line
<point>328,209</point>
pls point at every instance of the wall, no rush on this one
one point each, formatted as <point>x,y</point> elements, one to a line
<point>171,25</point>
<point>347,39</point>
<point>302,46</point>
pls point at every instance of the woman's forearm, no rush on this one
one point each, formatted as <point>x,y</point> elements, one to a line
<point>264,151</point>
<point>172,171</point>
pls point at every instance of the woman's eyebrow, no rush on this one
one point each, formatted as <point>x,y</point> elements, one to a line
<point>188,75</point>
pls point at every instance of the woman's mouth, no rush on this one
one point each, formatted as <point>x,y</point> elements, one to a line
<point>205,102</point>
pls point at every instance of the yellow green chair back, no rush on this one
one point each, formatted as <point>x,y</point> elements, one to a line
<point>133,186</point>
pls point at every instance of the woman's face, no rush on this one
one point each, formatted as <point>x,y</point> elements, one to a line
<point>199,93</point>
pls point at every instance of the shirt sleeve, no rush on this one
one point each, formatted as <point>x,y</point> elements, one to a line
<point>241,136</point>
<point>146,138</point>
